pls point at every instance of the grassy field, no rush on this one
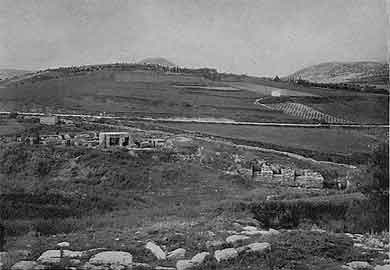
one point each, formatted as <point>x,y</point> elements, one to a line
<point>159,94</point>
<point>335,140</point>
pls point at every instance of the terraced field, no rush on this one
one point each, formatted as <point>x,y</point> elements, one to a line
<point>305,112</point>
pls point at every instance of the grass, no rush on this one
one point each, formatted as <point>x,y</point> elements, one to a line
<point>156,94</point>
<point>334,140</point>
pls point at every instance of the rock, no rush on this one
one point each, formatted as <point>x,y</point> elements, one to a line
<point>360,265</point>
<point>248,221</point>
<point>63,244</point>
<point>259,247</point>
<point>156,250</point>
<point>112,257</point>
<point>235,238</point>
<point>252,232</point>
<point>176,254</point>
<point>382,267</point>
<point>184,264</point>
<point>199,258</point>
<point>142,265</point>
<point>53,256</point>
<point>274,232</point>
<point>214,243</point>
<point>249,228</point>
<point>225,254</point>
<point>386,261</point>
<point>88,266</point>
<point>24,265</point>
<point>86,254</point>
<point>164,268</point>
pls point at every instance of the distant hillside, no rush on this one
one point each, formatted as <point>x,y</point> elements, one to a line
<point>337,72</point>
<point>9,73</point>
<point>157,61</point>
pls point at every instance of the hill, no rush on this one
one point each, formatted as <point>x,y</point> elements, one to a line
<point>157,61</point>
<point>9,73</point>
<point>343,72</point>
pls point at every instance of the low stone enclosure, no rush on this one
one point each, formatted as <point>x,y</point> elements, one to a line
<point>264,172</point>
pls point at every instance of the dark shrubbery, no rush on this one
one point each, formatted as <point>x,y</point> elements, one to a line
<point>316,210</point>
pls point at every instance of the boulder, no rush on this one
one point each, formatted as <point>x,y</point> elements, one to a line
<point>24,265</point>
<point>214,243</point>
<point>273,232</point>
<point>252,232</point>
<point>235,238</point>
<point>176,254</point>
<point>382,267</point>
<point>249,228</point>
<point>63,244</point>
<point>184,264</point>
<point>86,254</point>
<point>199,258</point>
<point>225,254</point>
<point>156,250</point>
<point>112,257</point>
<point>360,265</point>
<point>259,247</point>
<point>53,256</point>
<point>248,221</point>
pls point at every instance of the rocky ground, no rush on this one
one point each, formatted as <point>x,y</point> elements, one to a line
<point>222,244</point>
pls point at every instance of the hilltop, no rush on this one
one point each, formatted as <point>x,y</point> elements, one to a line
<point>343,72</point>
<point>157,61</point>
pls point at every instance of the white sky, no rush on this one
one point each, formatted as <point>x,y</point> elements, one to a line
<point>258,37</point>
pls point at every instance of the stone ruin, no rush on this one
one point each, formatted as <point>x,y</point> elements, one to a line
<point>275,174</point>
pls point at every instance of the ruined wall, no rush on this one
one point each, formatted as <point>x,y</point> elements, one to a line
<point>287,176</point>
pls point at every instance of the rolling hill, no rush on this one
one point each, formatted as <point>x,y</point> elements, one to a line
<point>157,61</point>
<point>343,72</point>
<point>9,73</point>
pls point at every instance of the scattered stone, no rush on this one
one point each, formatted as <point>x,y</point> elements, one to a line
<point>359,265</point>
<point>214,243</point>
<point>259,247</point>
<point>112,257</point>
<point>274,232</point>
<point>176,254</point>
<point>142,265</point>
<point>250,228</point>
<point>235,238</point>
<point>382,267</point>
<point>63,244</point>
<point>53,256</point>
<point>184,264</point>
<point>86,254</point>
<point>199,258</point>
<point>248,221</point>
<point>225,254</point>
<point>252,232</point>
<point>24,265</point>
<point>156,250</point>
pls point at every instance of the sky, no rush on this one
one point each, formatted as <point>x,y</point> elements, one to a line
<point>256,37</point>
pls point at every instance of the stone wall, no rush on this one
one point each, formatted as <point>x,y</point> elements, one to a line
<point>271,174</point>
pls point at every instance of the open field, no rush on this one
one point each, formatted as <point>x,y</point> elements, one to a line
<point>159,94</point>
<point>343,141</point>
